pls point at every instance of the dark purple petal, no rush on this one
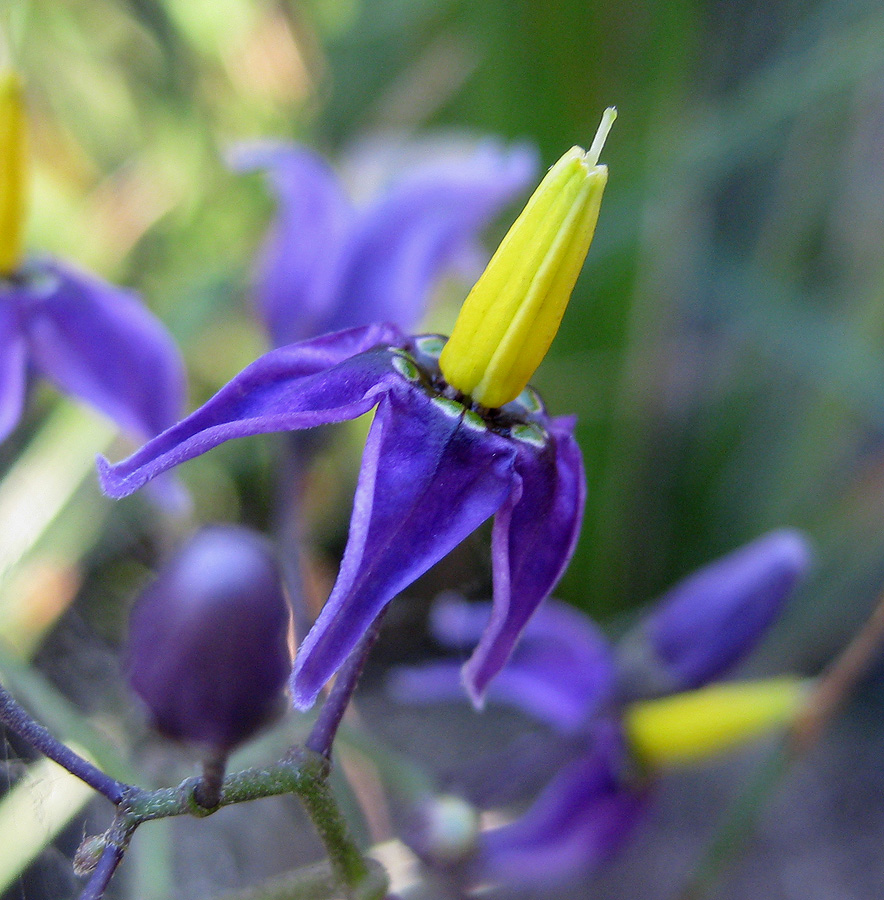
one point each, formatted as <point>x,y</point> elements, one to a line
<point>99,343</point>
<point>582,817</point>
<point>429,478</point>
<point>419,228</point>
<point>533,539</point>
<point>297,275</point>
<point>561,671</point>
<point>325,380</point>
<point>713,618</point>
<point>208,640</point>
<point>13,358</point>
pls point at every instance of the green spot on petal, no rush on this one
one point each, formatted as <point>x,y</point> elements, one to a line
<point>406,368</point>
<point>450,407</point>
<point>474,421</point>
<point>529,434</point>
<point>431,345</point>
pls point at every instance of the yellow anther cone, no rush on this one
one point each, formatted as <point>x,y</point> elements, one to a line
<point>687,727</point>
<point>513,312</point>
<point>13,167</point>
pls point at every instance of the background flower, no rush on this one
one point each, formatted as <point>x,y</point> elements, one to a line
<point>328,264</point>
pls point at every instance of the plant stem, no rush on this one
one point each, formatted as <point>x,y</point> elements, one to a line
<point>208,792</point>
<point>322,735</point>
<point>118,837</point>
<point>835,685</point>
<point>14,717</point>
<point>314,882</point>
<point>346,861</point>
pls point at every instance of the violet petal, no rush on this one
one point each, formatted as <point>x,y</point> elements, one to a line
<point>580,819</point>
<point>297,272</point>
<point>712,619</point>
<point>99,343</point>
<point>533,539</point>
<point>428,479</point>
<point>303,385</point>
<point>13,358</point>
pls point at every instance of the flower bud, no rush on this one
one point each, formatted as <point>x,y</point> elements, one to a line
<point>715,617</point>
<point>13,172</point>
<point>513,312</point>
<point>444,829</point>
<point>687,727</point>
<point>208,640</point>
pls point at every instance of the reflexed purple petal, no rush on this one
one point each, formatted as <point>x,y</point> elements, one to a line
<point>298,270</point>
<point>13,357</point>
<point>570,663</point>
<point>303,385</point>
<point>432,682</point>
<point>99,343</point>
<point>425,223</point>
<point>581,818</point>
<point>429,478</point>
<point>456,623</point>
<point>533,538</point>
<point>713,618</point>
<point>561,671</point>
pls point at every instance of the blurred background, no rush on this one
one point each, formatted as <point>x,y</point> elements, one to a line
<point>724,349</point>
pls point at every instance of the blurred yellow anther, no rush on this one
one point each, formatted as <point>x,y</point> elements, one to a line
<point>696,724</point>
<point>513,312</point>
<point>13,163</point>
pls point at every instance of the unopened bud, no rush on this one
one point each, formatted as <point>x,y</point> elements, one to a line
<point>445,829</point>
<point>208,640</point>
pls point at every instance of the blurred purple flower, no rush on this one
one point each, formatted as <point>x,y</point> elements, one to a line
<point>565,674</point>
<point>327,265</point>
<point>580,819</point>
<point>561,672</point>
<point>95,341</point>
<point>433,470</point>
<point>208,640</point>
<point>709,621</point>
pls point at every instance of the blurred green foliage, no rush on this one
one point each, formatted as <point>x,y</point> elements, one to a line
<point>723,345</point>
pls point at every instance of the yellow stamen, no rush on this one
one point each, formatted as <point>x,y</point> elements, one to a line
<point>13,171</point>
<point>513,312</point>
<point>690,726</point>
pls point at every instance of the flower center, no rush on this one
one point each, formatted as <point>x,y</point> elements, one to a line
<point>522,419</point>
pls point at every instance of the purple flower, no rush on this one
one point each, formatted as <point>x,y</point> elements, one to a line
<point>561,672</point>
<point>565,674</point>
<point>95,341</point>
<point>580,819</point>
<point>208,640</point>
<point>433,470</point>
<point>328,265</point>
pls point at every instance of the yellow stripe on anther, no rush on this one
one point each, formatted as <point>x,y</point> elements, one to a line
<point>13,172</point>
<point>687,727</point>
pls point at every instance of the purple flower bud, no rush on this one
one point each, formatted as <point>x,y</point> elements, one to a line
<point>208,640</point>
<point>712,619</point>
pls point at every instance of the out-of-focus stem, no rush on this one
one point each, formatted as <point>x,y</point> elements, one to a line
<point>836,684</point>
<point>17,720</point>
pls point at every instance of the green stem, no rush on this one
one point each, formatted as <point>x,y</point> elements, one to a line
<point>302,773</point>
<point>346,860</point>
